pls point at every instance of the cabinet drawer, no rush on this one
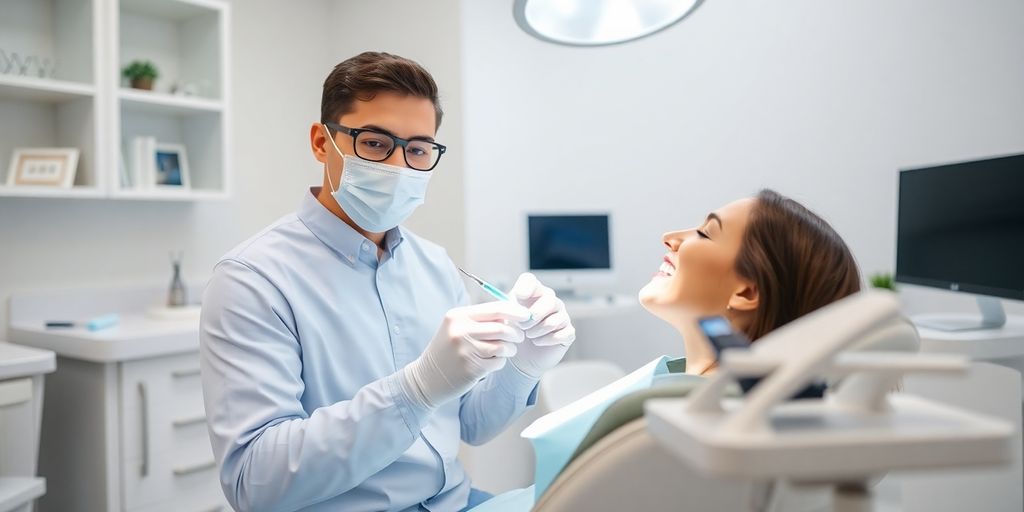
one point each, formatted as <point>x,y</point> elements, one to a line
<point>15,392</point>
<point>172,383</point>
<point>172,437</point>
<point>171,479</point>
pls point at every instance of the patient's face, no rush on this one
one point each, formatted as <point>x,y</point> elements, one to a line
<point>698,274</point>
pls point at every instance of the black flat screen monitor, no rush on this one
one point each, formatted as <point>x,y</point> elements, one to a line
<point>569,242</point>
<point>961,227</point>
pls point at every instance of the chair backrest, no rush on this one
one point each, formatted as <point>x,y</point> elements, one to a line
<point>572,380</point>
<point>628,470</point>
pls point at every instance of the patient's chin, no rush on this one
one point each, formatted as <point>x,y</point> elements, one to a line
<point>654,296</point>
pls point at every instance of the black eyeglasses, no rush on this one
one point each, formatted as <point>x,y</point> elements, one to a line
<point>377,146</point>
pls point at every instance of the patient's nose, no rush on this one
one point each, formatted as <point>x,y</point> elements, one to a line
<point>672,239</point>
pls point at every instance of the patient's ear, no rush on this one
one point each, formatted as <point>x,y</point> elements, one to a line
<point>745,297</point>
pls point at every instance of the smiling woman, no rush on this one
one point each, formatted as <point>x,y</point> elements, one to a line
<point>762,262</point>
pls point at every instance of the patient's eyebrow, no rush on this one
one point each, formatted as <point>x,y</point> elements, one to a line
<point>714,217</point>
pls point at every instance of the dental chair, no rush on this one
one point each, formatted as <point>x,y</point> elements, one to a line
<point>630,461</point>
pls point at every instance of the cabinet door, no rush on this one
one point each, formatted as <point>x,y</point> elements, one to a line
<point>166,459</point>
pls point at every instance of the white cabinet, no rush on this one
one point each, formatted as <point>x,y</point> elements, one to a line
<point>124,427</point>
<point>165,449</point>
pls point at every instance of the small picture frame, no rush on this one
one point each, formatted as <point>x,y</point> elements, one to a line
<point>43,167</point>
<point>170,167</point>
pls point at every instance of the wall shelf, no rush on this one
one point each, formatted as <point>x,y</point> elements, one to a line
<point>44,192</point>
<point>169,195</point>
<point>160,103</point>
<point>87,104</point>
<point>42,89</point>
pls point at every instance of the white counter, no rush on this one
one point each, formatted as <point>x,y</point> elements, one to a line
<point>16,361</point>
<point>138,335</point>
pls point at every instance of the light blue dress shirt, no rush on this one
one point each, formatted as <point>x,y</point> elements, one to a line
<point>303,334</point>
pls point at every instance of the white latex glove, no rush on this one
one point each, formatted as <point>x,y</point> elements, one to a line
<point>472,342</point>
<point>548,334</point>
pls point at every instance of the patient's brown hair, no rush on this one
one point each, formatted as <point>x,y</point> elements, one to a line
<point>798,262</point>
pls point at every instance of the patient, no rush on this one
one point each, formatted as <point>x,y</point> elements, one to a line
<point>761,262</point>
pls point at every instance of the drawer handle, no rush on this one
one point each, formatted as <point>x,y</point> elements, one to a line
<point>181,374</point>
<point>191,420</point>
<point>195,468</point>
<point>144,413</point>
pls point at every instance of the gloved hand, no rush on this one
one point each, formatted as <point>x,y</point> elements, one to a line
<point>472,342</point>
<point>548,334</point>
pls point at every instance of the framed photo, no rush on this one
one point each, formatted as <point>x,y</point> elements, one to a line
<point>170,166</point>
<point>43,167</point>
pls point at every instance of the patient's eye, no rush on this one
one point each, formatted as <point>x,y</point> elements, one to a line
<point>702,234</point>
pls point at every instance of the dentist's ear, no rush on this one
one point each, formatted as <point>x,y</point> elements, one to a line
<point>320,142</point>
<point>745,298</point>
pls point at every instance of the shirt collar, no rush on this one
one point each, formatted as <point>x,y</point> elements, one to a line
<point>337,234</point>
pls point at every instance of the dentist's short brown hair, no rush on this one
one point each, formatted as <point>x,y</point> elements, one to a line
<point>363,76</point>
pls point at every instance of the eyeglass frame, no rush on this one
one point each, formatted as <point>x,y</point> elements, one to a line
<point>398,141</point>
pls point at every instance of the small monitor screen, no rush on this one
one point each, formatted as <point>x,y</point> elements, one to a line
<point>961,227</point>
<point>715,326</point>
<point>569,242</point>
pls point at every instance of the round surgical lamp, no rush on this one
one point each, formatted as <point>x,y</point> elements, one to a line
<point>598,22</point>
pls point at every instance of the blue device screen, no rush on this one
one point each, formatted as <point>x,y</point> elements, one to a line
<point>722,336</point>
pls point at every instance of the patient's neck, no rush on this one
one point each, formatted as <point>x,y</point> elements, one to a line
<point>700,356</point>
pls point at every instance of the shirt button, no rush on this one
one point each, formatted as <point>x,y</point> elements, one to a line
<point>397,330</point>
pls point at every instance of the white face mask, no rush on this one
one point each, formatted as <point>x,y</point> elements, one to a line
<point>377,196</point>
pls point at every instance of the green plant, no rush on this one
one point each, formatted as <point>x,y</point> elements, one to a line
<point>883,280</point>
<point>139,69</point>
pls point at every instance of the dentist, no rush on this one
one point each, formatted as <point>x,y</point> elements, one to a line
<point>341,362</point>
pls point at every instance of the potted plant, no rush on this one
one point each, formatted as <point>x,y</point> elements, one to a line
<point>883,280</point>
<point>141,74</point>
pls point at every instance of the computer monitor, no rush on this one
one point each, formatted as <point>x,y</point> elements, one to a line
<point>570,251</point>
<point>961,228</point>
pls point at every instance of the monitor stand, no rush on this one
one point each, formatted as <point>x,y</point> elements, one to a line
<point>572,294</point>
<point>992,317</point>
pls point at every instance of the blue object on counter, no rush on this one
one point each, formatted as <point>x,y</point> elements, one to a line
<point>95,324</point>
<point>103,322</point>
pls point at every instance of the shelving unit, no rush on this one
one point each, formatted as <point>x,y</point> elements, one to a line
<point>86,104</point>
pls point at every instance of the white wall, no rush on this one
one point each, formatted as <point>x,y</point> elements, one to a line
<point>51,243</point>
<point>282,53</point>
<point>427,32</point>
<point>822,101</point>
